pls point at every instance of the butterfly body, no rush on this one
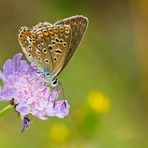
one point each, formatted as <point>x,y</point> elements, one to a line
<point>50,46</point>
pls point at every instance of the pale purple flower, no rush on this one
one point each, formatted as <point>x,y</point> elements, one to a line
<point>29,91</point>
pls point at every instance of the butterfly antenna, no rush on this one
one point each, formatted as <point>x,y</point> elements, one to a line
<point>62,89</point>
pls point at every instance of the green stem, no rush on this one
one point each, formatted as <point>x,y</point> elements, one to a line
<point>6,109</point>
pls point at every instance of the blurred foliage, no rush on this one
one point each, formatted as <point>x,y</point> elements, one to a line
<point>112,59</point>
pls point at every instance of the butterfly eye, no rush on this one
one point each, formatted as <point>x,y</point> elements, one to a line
<point>54,82</point>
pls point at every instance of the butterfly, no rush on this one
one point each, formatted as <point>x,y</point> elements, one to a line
<point>50,46</point>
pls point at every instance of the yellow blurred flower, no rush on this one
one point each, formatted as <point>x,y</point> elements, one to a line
<point>99,102</point>
<point>58,133</point>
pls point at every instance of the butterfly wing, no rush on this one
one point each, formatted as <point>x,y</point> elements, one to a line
<point>61,45</point>
<point>46,45</point>
<point>50,46</point>
<point>78,25</point>
<point>34,47</point>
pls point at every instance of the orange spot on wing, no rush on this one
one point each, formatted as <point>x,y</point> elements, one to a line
<point>51,31</point>
<point>61,29</point>
<point>46,33</point>
<point>26,33</point>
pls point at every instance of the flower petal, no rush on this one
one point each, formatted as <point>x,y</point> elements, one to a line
<point>7,68</point>
<point>23,65</point>
<point>59,109</point>
<point>7,94</point>
<point>23,109</point>
<point>16,61</point>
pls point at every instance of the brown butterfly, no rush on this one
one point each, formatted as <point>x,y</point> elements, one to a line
<point>50,46</point>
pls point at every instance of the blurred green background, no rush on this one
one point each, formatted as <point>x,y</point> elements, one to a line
<point>106,82</point>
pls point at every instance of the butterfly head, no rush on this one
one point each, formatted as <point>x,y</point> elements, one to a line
<point>54,82</point>
<point>48,77</point>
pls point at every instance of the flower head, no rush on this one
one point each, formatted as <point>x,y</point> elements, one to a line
<point>29,92</point>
